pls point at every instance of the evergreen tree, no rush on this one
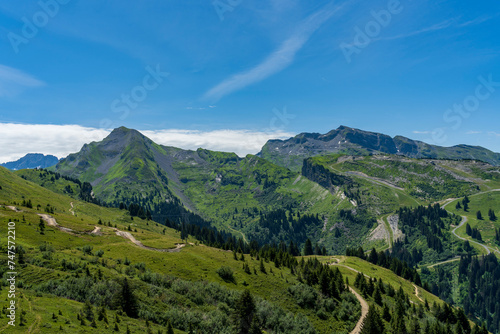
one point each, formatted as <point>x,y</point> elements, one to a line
<point>468,229</point>
<point>254,328</point>
<point>479,215</point>
<point>88,311</point>
<point>170,329</point>
<point>377,297</point>
<point>372,324</point>
<point>308,249</point>
<point>458,206</point>
<point>129,302</point>
<point>244,312</point>
<point>262,267</point>
<point>492,215</point>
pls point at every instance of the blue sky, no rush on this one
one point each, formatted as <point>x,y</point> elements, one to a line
<point>221,74</point>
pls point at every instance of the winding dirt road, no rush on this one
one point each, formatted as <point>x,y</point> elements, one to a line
<point>454,231</point>
<point>129,236</point>
<point>51,221</point>
<point>464,220</point>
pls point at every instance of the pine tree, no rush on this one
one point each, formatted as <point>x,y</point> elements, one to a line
<point>88,311</point>
<point>262,267</point>
<point>479,215</point>
<point>308,249</point>
<point>244,311</point>
<point>458,206</point>
<point>492,215</point>
<point>102,316</point>
<point>254,327</point>
<point>129,302</point>
<point>170,329</point>
<point>372,324</point>
<point>468,229</point>
<point>386,314</point>
<point>377,297</point>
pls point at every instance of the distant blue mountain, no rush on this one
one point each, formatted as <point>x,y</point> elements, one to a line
<point>32,160</point>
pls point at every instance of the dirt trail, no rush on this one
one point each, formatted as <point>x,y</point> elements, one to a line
<point>457,258</point>
<point>71,210</point>
<point>51,221</point>
<point>242,234</point>
<point>375,180</point>
<point>416,293</point>
<point>128,235</point>
<point>362,301</point>
<point>364,312</point>
<point>96,231</point>
<point>454,231</point>
<point>13,208</point>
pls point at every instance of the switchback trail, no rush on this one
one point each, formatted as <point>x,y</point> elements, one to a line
<point>464,220</point>
<point>51,221</point>
<point>128,235</point>
<point>454,231</point>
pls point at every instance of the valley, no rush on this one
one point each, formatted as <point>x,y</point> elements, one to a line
<point>192,231</point>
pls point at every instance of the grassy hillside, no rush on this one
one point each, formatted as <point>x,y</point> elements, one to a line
<point>238,195</point>
<point>384,183</point>
<point>66,276</point>
<point>482,202</point>
<point>46,253</point>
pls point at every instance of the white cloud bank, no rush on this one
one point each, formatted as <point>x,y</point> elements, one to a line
<point>16,140</point>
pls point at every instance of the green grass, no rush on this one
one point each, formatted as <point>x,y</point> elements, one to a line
<point>195,262</point>
<point>480,202</point>
<point>386,275</point>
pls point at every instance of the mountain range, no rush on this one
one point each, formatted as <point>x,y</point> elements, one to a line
<point>32,160</point>
<point>345,192</point>
<point>291,152</point>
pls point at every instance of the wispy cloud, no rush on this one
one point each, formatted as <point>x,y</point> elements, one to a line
<point>492,133</point>
<point>473,132</point>
<point>477,20</point>
<point>421,132</point>
<point>12,81</point>
<point>60,140</point>
<point>280,59</point>
<point>435,27</point>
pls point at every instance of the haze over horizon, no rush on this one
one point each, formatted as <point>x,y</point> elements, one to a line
<point>214,75</point>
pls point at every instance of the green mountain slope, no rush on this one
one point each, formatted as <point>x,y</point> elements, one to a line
<point>290,153</point>
<point>383,183</point>
<point>244,196</point>
<point>65,277</point>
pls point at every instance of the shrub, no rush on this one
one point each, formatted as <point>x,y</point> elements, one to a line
<point>87,249</point>
<point>226,274</point>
